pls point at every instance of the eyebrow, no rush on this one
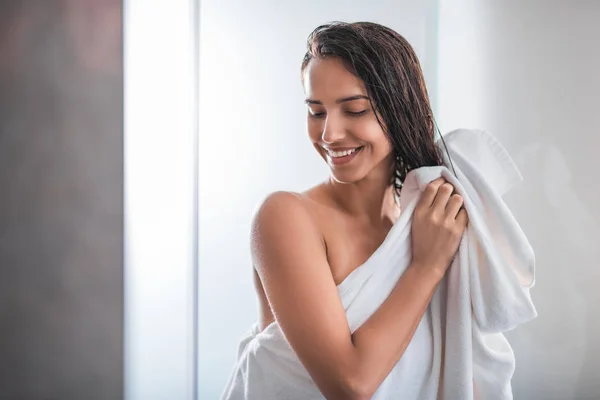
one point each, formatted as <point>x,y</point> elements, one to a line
<point>339,101</point>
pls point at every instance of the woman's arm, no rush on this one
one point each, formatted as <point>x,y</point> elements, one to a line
<point>289,256</point>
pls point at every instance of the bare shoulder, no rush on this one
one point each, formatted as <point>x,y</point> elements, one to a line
<point>280,201</point>
<point>285,238</point>
<point>307,199</point>
<point>284,213</point>
<point>291,263</point>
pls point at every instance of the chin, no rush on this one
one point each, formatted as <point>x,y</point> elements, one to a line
<point>346,178</point>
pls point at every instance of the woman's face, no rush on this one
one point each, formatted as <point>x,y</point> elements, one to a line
<point>341,123</point>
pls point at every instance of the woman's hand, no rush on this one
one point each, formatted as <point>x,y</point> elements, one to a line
<point>438,224</point>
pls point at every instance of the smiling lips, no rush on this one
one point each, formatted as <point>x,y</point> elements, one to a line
<point>339,157</point>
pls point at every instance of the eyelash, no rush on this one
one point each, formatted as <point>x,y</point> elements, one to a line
<point>353,114</point>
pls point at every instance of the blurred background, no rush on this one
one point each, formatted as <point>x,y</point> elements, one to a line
<point>137,139</point>
<point>61,199</point>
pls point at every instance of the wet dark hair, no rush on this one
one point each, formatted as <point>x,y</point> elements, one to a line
<point>390,70</point>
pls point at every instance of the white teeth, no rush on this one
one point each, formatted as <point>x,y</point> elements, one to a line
<point>336,154</point>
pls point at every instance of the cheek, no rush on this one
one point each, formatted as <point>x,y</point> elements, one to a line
<point>374,135</point>
<point>384,143</point>
<point>314,130</point>
<point>380,148</point>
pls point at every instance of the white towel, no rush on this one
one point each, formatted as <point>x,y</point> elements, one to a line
<point>458,350</point>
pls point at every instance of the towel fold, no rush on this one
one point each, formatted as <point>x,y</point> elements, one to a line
<point>458,350</point>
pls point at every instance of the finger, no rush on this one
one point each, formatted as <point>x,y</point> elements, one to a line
<point>462,218</point>
<point>454,205</point>
<point>443,194</point>
<point>430,191</point>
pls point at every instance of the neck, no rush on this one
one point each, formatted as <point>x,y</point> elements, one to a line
<point>370,199</point>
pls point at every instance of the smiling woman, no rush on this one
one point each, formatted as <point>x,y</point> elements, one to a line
<point>339,155</point>
<point>389,105</point>
<point>339,127</point>
<point>370,120</point>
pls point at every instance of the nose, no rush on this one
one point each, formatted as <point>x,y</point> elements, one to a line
<point>333,131</point>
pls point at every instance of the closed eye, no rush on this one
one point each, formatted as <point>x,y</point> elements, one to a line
<point>352,114</point>
<point>356,114</point>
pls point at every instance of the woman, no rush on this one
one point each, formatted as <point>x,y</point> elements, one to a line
<point>370,120</point>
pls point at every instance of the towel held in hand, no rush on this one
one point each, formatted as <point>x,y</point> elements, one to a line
<point>458,350</point>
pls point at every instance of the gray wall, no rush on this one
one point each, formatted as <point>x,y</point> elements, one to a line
<point>61,200</point>
<point>527,71</point>
<point>545,61</point>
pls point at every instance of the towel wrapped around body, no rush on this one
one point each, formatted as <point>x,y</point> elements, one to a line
<point>458,350</point>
